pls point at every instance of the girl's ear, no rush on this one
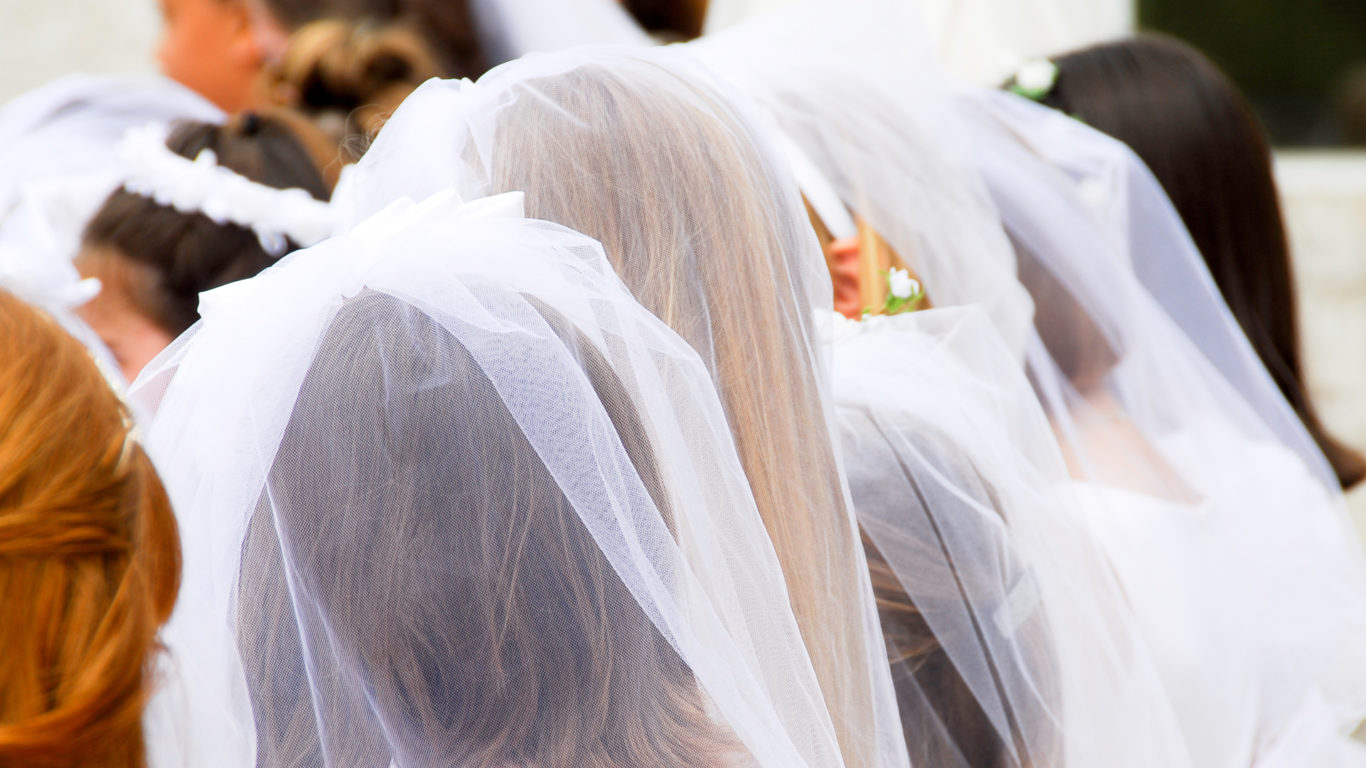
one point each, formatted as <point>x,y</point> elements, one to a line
<point>842,256</point>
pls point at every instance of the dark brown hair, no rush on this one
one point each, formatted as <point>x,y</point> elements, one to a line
<point>943,715</point>
<point>447,25</point>
<point>670,19</point>
<point>178,255</point>
<point>89,555</point>
<point>1200,138</point>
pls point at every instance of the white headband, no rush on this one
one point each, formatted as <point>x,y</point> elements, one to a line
<point>203,186</point>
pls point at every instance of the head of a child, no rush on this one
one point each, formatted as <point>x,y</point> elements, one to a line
<point>153,260</point>
<point>220,48</point>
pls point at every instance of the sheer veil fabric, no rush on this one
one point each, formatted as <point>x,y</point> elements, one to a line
<point>1194,460</point>
<point>450,496</point>
<point>57,153</point>
<point>1009,637</point>
<point>644,151</point>
<point>845,110</point>
<point>35,270</point>
<point>68,127</point>
<point>1209,500</point>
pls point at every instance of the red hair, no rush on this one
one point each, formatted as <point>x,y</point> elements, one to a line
<point>89,555</point>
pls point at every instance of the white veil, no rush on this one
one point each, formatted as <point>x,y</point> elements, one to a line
<point>1211,502</point>
<point>1188,449</point>
<point>837,80</point>
<point>644,152</point>
<point>57,151</point>
<point>71,125</point>
<point>449,496</point>
<point>1008,634</point>
<point>29,270</point>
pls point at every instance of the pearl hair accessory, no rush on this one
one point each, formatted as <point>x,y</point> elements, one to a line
<point>203,186</point>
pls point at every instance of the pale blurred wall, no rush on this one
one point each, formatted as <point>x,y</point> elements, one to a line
<point>44,39</point>
<point>1325,203</point>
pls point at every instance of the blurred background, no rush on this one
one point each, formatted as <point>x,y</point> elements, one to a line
<point>1301,62</point>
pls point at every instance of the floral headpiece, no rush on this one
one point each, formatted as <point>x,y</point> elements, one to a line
<point>203,186</point>
<point>1035,79</point>
<point>903,295</point>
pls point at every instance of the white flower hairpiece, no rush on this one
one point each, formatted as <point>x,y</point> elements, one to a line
<point>203,186</point>
<point>901,284</point>
<point>903,292</point>
<point>903,295</point>
<point>1035,79</point>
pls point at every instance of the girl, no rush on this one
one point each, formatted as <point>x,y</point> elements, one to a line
<point>153,246</point>
<point>89,555</point>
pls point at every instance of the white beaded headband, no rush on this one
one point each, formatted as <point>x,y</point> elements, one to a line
<point>203,186</point>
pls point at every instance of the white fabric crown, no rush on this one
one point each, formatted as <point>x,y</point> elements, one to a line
<point>203,186</point>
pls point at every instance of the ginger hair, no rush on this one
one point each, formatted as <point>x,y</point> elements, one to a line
<point>89,555</point>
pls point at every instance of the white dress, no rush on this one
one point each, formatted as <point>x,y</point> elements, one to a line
<point>1158,549</point>
<point>1240,620</point>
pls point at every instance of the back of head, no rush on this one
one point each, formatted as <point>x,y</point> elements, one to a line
<point>445,25</point>
<point>163,258</point>
<point>1010,642</point>
<point>970,692</point>
<point>1192,127</point>
<point>349,76</point>
<point>670,20</point>
<point>674,181</point>
<point>452,605</point>
<point>89,555</point>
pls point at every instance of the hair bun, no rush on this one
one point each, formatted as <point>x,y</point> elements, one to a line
<point>349,76</point>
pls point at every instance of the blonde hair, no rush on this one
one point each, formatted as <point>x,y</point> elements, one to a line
<point>89,555</point>
<point>669,180</point>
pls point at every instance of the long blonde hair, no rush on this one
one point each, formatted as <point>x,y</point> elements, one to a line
<point>669,178</point>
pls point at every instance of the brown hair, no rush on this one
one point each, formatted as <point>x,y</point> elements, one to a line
<point>474,615</point>
<point>446,25</point>
<point>944,720</point>
<point>672,20</point>
<point>348,77</point>
<point>89,555</point>
<point>1202,141</point>
<point>668,178</point>
<point>175,256</point>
